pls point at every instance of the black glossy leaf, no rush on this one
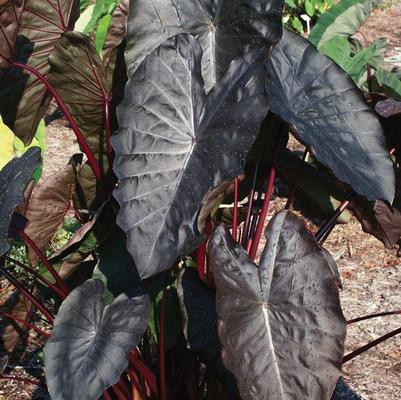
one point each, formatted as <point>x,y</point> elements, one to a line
<point>14,177</point>
<point>3,363</point>
<point>176,143</point>
<point>223,28</point>
<point>329,113</point>
<point>86,352</point>
<point>198,307</point>
<point>280,324</point>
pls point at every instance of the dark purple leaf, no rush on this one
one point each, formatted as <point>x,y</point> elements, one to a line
<point>14,177</point>
<point>176,143</point>
<point>224,29</point>
<point>312,93</point>
<point>280,324</point>
<point>87,350</point>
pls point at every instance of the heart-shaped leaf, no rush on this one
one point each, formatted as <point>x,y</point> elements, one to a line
<point>280,324</point>
<point>198,307</point>
<point>223,29</point>
<point>10,13</point>
<point>329,113</point>
<point>23,98</point>
<point>14,177</point>
<point>48,206</point>
<point>173,138</point>
<point>90,342</point>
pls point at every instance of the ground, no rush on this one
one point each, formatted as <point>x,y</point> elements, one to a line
<point>371,274</point>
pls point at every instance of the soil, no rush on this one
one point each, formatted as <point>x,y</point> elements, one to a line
<point>370,273</point>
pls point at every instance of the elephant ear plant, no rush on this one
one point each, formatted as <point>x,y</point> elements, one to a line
<point>165,116</point>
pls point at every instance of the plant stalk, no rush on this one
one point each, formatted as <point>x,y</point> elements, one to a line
<point>44,260</point>
<point>235,216</point>
<point>365,317</point>
<point>368,346</point>
<point>81,139</point>
<point>143,370</point>
<point>28,295</point>
<point>265,209</point>
<point>162,349</point>
<point>38,276</point>
<point>28,324</point>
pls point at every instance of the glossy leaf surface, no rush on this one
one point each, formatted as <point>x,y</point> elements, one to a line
<point>223,29</point>
<point>280,324</point>
<point>91,341</point>
<point>173,136</point>
<point>14,177</point>
<point>309,91</point>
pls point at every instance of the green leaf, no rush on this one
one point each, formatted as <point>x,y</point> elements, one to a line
<point>297,25</point>
<point>84,19</point>
<point>6,140</point>
<point>101,32</point>
<point>389,81</point>
<point>290,3</point>
<point>357,65</point>
<point>343,19</point>
<point>338,48</point>
<point>101,9</point>
<point>310,7</point>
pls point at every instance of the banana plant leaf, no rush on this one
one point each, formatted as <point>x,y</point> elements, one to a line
<point>176,143</point>
<point>14,177</point>
<point>91,341</point>
<point>280,324</point>
<point>224,29</point>
<point>309,91</point>
<point>23,98</point>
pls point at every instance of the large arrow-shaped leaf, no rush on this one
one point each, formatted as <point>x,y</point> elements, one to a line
<point>23,98</point>
<point>223,28</point>
<point>175,144</point>
<point>87,350</point>
<point>14,177</point>
<point>280,324</point>
<point>311,92</point>
<point>10,14</point>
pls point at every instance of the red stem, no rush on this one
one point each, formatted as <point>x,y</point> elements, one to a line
<point>235,216</point>
<point>81,139</point>
<point>27,294</point>
<point>136,386</point>
<point>265,209</point>
<point>143,370</point>
<point>365,317</point>
<point>368,346</point>
<point>37,275</point>
<point>106,395</point>
<point>119,392</point>
<point>200,254</point>
<point>251,198</point>
<point>28,324</point>
<point>162,350</point>
<point>44,261</point>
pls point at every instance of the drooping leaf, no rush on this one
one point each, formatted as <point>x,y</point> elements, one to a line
<point>280,324</point>
<point>165,147</point>
<point>101,32</point>
<point>11,332</point>
<point>91,341</point>
<point>23,98</point>
<point>10,14</point>
<point>342,19</point>
<point>48,206</point>
<point>309,91</point>
<point>14,177</point>
<point>198,307</point>
<point>223,29</point>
